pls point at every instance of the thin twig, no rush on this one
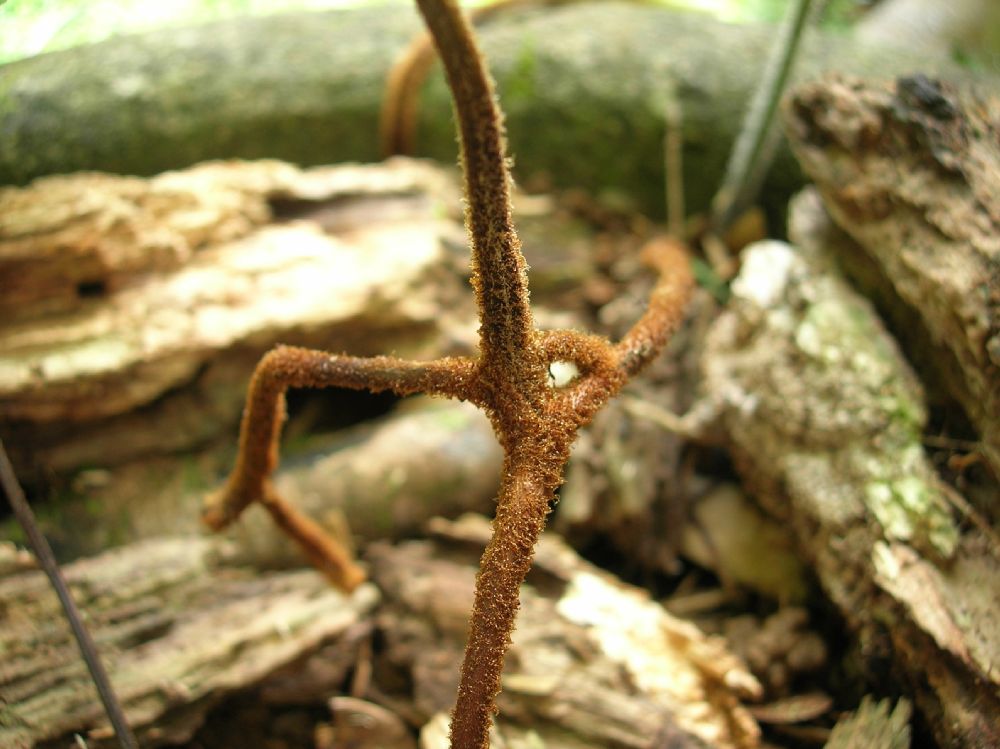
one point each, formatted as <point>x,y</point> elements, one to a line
<point>748,159</point>
<point>47,561</point>
<point>673,163</point>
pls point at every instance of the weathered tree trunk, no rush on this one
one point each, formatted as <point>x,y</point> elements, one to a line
<point>585,110</point>
<point>912,173</point>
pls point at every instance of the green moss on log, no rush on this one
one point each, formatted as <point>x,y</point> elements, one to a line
<point>584,88</point>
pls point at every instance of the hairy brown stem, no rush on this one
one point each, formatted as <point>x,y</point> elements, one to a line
<point>324,552</point>
<point>499,273</point>
<point>287,367</point>
<point>523,506</point>
<point>260,433</point>
<point>663,314</point>
<point>535,423</point>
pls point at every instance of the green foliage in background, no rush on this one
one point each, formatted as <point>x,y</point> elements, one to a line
<point>30,27</point>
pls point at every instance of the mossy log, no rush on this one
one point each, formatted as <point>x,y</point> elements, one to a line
<point>911,171</point>
<point>177,628</point>
<point>824,418</point>
<point>583,109</point>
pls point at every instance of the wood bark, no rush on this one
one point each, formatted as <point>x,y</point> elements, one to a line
<point>178,630</point>
<point>823,418</point>
<point>582,110</point>
<point>911,171</point>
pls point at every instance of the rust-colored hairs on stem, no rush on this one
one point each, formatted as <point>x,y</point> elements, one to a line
<point>534,422</point>
<point>401,99</point>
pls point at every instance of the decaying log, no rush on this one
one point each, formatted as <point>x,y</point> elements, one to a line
<point>307,87</point>
<point>64,239</point>
<point>178,630</point>
<point>824,419</point>
<point>912,172</point>
<point>141,306</point>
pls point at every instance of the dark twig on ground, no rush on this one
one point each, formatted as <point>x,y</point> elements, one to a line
<point>47,561</point>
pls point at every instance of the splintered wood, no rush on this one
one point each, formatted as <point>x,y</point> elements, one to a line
<point>594,661</point>
<point>180,629</point>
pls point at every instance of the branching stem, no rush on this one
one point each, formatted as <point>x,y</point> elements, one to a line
<point>499,273</point>
<point>534,422</point>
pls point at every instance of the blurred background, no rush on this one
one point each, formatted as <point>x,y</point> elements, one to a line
<point>970,27</point>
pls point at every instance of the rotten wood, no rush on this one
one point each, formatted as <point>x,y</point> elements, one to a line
<point>143,303</point>
<point>911,171</point>
<point>595,663</point>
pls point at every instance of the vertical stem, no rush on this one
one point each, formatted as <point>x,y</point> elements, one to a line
<point>747,151</point>
<point>673,163</point>
<point>499,272</point>
<point>47,561</point>
<point>523,506</point>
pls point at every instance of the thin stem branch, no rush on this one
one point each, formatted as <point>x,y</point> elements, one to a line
<point>323,551</point>
<point>398,114</point>
<point>401,99</point>
<point>289,367</point>
<point>747,154</point>
<point>47,561</point>
<point>665,311</point>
